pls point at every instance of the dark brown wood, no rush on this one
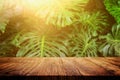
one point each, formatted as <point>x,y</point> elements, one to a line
<point>60,66</point>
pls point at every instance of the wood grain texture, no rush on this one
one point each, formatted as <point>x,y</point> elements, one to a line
<point>60,66</point>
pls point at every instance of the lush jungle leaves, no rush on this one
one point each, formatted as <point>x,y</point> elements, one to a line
<point>113,6</point>
<point>61,13</point>
<point>81,44</point>
<point>94,21</point>
<point>78,43</point>
<point>7,49</point>
<point>44,31</point>
<point>32,44</point>
<point>111,46</point>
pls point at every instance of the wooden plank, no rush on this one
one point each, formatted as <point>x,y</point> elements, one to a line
<point>112,69</point>
<point>88,68</point>
<point>59,66</point>
<point>69,68</point>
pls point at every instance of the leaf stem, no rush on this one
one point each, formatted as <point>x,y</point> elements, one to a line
<point>42,46</point>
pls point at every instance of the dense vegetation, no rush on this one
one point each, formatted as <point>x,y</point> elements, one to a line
<point>60,28</point>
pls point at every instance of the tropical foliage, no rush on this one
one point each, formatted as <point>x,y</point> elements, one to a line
<point>63,13</point>
<point>111,46</point>
<point>32,44</point>
<point>81,44</point>
<point>113,6</point>
<point>57,28</point>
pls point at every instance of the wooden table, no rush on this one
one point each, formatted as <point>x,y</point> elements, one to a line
<point>60,66</point>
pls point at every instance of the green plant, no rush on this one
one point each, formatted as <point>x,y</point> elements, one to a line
<point>79,43</point>
<point>44,29</point>
<point>86,30</point>
<point>42,45</point>
<point>32,44</point>
<point>3,26</point>
<point>94,21</point>
<point>111,46</point>
<point>61,13</point>
<point>113,6</point>
<point>82,44</point>
<point>7,49</point>
<point>3,20</point>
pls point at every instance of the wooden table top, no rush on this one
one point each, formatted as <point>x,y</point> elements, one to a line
<point>60,66</point>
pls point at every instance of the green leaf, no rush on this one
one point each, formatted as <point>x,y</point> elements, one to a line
<point>111,46</point>
<point>81,44</point>
<point>34,45</point>
<point>113,6</point>
<point>62,12</point>
<point>93,22</point>
<point>2,27</point>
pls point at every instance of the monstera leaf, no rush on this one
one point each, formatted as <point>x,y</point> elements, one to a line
<point>81,44</point>
<point>60,13</point>
<point>94,21</point>
<point>111,47</point>
<point>34,45</point>
<point>113,6</point>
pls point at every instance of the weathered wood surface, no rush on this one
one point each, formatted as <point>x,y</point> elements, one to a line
<point>60,66</point>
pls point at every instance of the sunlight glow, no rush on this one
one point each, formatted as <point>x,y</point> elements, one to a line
<point>45,6</point>
<point>59,12</point>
